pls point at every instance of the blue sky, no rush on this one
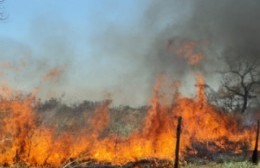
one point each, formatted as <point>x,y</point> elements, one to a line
<point>80,14</point>
<point>67,34</point>
<point>101,48</point>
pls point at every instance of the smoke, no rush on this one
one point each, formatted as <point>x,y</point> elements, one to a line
<point>40,65</point>
<point>226,28</point>
<point>124,58</point>
<point>230,26</point>
<point>220,29</point>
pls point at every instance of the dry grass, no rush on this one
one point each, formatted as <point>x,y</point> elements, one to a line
<point>187,165</point>
<point>222,165</point>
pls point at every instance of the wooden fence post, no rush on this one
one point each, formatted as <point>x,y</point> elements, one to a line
<point>178,134</point>
<point>255,153</point>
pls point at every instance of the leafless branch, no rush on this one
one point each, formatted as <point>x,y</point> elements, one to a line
<point>240,79</point>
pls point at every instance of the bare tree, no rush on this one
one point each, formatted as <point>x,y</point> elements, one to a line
<point>240,84</point>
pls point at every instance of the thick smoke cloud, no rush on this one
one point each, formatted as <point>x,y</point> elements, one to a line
<point>226,27</point>
<point>123,59</point>
<point>230,25</point>
<point>126,58</point>
<point>222,29</point>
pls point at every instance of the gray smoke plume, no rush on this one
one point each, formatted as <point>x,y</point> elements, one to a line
<point>223,28</point>
<point>227,28</point>
<point>125,58</point>
<point>229,25</point>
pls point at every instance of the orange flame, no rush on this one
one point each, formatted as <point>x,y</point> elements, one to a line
<point>187,50</point>
<point>24,139</point>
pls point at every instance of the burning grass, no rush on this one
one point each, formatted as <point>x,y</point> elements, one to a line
<point>150,164</point>
<point>26,140</point>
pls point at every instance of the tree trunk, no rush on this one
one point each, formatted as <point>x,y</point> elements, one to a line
<point>245,97</point>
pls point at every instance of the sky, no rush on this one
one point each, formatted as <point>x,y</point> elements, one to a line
<point>116,49</point>
<point>66,35</point>
<point>81,18</point>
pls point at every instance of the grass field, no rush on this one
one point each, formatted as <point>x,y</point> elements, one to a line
<point>222,165</point>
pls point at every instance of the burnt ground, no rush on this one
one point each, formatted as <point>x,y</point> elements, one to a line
<point>221,160</point>
<point>145,163</point>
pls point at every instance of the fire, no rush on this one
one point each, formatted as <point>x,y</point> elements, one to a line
<point>187,49</point>
<point>25,140</point>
